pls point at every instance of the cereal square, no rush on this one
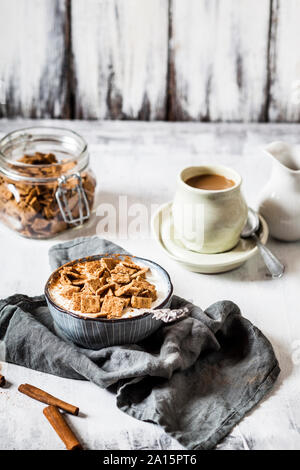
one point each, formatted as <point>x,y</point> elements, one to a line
<point>120,268</point>
<point>141,273</point>
<point>71,272</point>
<point>145,293</point>
<point>64,279</point>
<point>145,285</point>
<point>87,290</point>
<point>90,303</point>
<point>93,284</point>
<point>76,301</point>
<point>127,261</point>
<point>109,263</point>
<point>68,291</point>
<point>98,272</point>
<point>113,306</point>
<point>92,266</point>
<point>141,302</point>
<point>121,278</point>
<point>130,289</point>
<point>105,287</point>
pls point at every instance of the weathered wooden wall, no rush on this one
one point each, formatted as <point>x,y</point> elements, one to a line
<point>209,60</point>
<point>33,57</point>
<point>120,51</point>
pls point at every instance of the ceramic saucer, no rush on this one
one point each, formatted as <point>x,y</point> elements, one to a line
<point>163,230</point>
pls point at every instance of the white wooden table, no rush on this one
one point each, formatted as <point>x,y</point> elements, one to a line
<point>141,160</point>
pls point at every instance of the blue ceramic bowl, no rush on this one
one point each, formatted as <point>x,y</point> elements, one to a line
<point>97,333</point>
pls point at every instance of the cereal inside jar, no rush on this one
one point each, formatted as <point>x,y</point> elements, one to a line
<point>46,185</point>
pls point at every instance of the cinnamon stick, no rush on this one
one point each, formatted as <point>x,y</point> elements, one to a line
<point>2,380</point>
<point>61,427</point>
<point>45,397</point>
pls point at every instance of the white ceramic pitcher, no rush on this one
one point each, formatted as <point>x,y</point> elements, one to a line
<point>279,202</point>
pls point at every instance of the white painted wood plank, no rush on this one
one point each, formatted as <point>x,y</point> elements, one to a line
<point>120,58</point>
<point>285,61</point>
<point>32,56</point>
<point>220,51</point>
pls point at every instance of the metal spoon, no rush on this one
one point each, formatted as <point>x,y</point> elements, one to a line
<point>275,267</point>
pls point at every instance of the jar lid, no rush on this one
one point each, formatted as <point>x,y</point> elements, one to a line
<point>69,148</point>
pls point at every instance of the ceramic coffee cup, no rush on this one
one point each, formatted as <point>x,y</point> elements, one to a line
<point>208,221</point>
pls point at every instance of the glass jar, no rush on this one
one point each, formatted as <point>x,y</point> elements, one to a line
<point>46,185</point>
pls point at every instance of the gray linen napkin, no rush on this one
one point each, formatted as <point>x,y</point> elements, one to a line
<point>196,378</point>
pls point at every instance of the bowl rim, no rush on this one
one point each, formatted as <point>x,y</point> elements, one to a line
<point>94,257</point>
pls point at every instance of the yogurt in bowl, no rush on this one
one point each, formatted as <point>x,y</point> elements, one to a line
<point>122,319</point>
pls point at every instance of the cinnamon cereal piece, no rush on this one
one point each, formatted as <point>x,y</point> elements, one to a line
<point>145,293</point>
<point>71,272</point>
<point>104,288</point>
<point>48,212</point>
<point>120,278</point>
<point>78,282</point>
<point>93,284</point>
<point>120,268</point>
<point>30,196</point>
<point>113,306</point>
<point>50,158</point>
<point>76,301</point>
<point>34,203</point>
<point>129,289</point>
<point>102,281</point>
<point>152,292</point>
<point>145,285</point>
<point>68,291</point>
<point>141,285</point>
<point>141,302</point>
<point>92,266</point>
<point>99,272</point>
<point>86,290</point>
<point>80,268</point>
<point>90,303</point>
<point>109,263</point>
<point>40,225</point>
<point>64,279</point>
<point>134,288</point>
<point>127,262</point>
<point>141,273</point>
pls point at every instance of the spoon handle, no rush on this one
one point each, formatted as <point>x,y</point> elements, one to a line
<point>275,267</point>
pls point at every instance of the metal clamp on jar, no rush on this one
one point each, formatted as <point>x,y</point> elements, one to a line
<point>83,204</point>
<point>46,185</point>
